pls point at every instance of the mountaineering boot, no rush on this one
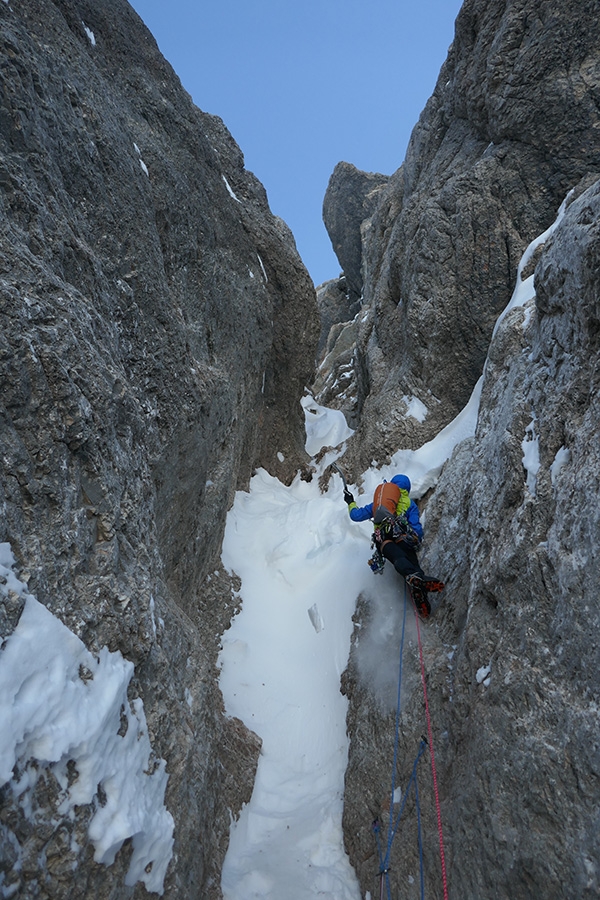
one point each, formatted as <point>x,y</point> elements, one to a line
<point>432,585</point>
<point>418,592</point>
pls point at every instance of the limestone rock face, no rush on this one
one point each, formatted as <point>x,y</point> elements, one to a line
<point>511,656</point>
<point>350,198</point>
<point>336,384</point>
<point>512,125</point>
<point>335,306</point>
<point>157,329</point>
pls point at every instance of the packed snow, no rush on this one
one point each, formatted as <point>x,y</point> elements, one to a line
<point>64,710</point>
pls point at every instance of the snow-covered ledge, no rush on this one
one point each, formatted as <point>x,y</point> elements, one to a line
<point>65,710</point>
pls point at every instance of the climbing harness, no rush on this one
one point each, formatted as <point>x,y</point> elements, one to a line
<point>392,528</point>
<point>393,824</point>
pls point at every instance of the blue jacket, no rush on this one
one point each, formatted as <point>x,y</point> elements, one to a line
<point>362,513</point>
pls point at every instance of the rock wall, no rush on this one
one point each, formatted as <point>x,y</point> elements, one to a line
<point>512,654</point>
<point>511,127</point>
<point>157,329</point>
<point>351,198</point>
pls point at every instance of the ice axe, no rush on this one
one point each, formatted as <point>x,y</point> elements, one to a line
<point>340,473</point>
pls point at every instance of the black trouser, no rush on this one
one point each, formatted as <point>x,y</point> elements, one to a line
<point>402,558</point>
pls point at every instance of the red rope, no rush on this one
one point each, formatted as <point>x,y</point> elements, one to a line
<point>433,771</point>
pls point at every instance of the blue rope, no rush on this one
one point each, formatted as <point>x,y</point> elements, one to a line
<point>379,850</point>
<point>413,777</point>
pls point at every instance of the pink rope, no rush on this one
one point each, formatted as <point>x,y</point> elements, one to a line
<point>433,771</point>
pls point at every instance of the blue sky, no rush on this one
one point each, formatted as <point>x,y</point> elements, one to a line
<point>302,85</point>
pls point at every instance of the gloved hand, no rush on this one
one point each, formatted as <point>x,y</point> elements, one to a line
<point>348,497</point>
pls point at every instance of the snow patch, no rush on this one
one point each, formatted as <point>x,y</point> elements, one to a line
<point>423,466</point>
<point>280,674</point>
<point>143,165</point>
<point>263,268</point>
<point>562,458</point>
<point>230,190</point>
<point>88,31</point>
<point>280,668</point>
<point>482,676</point>
<point>60,705</point>
<point>531,456</point>
<point>415,408</point>
<point>324,427</point>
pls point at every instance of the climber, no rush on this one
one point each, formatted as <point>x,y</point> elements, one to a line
<point>398,534</point>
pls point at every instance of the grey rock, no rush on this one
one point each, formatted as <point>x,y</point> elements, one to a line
<point>350,198</point>
<point>335,307</point>
<point>517,757</point>
<point>157,330</point>
<point>512,126</point>
<point>336,384</point>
